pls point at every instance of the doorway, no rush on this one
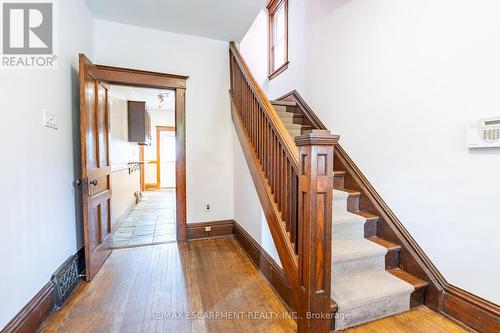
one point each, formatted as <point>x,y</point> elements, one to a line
<point>165,155</point>
<point>97,159</point>
<point>144,197</point>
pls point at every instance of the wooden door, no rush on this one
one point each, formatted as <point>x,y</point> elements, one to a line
<point>96,170</point>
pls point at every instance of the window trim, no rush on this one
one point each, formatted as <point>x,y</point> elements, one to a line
<point>272,8</point>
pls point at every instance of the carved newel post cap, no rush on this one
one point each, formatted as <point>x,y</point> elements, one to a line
<point>317,138</point>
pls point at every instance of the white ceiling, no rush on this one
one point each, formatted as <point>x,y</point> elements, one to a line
<point>148,95</point>
<point>226,20</point>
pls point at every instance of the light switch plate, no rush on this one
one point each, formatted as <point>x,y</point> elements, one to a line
<point>50,120</point>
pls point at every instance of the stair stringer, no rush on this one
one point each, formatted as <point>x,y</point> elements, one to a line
<point>412,258</point>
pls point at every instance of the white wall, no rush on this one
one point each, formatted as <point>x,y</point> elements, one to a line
<point>208,122</point>
<point>123,187</point>
<point>123,183</point>
<point>248,212</point>
<point>37,201</point>
<point>399,81</point>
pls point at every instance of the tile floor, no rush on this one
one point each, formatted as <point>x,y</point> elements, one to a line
<point>151,221</point>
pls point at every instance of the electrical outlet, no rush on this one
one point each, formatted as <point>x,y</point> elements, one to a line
<point>50,120</point>
<point>208,207</point>
<point>208,229</point>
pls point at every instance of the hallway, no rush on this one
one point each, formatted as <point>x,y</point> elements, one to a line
<point>189,287</point>
<point>152,221</point>
<point>160,288</point>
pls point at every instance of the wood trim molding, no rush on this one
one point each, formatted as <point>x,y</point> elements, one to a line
<point>217,229</point>
<point>294,96</point>
<point>272,6</point>
<point>412,258</point>
<point>265,264</point>
<point>37,310</point>
<point>278,71</point>
<point>140,78</point>
<point>180,163</point>
<point>41,306</point>
<point>471,310</point>
<point>135,77</point>
<point>142,167</point>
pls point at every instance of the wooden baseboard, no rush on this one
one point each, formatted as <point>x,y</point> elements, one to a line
<point>217,229</point>
<point>34,313</point>
<point>263,261</point>
<point>467,309</point>
<point>471,310</point>
<point>41,306</point>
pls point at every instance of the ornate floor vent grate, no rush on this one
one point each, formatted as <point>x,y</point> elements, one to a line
<point>65,279</point>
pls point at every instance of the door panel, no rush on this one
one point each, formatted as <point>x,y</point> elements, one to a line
<point>96,171</point>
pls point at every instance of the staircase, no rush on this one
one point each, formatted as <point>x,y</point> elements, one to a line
<point>347,258</point>
<point>366,281</point>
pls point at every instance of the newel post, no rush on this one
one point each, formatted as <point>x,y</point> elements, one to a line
<point>315,229</point>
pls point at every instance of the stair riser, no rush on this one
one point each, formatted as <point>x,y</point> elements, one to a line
<point>391,260</point>
<point>416,299</point>
<point>286,116</point>
<point>352,203</point>
<point>371,228</point>
<point>357,266</point>
<point>386,307</point>
<point>338,182</point>
<point>347,231</point>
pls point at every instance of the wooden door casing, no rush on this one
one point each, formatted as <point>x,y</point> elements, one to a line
<point>96,170</point>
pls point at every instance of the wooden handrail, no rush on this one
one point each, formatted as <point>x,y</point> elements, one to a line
<point>294,182</point>
<point>274,151</point>
<point>264,102</point>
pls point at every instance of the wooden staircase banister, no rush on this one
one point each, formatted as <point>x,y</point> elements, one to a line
<point>294,182</point>
<point>274,119</point>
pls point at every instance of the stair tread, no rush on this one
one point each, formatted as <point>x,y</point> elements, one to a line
<point>347,217</point>
<point>416,282</point>
<point>339,173</point>
<point>349,250</point>
<point>352,193</point>
<point>285,114</point>
<point>385,243</point>
<point>359,290</point>
<point>333,306</point>
<point>366,215</point>
<point>283,103</point>
<point>296,126</point>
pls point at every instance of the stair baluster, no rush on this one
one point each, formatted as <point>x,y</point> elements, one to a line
<point>299,220</point>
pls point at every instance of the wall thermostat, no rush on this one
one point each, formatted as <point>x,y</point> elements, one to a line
<point>484,133</point>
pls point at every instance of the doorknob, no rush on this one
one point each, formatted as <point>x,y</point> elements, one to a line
<point>93,182</point>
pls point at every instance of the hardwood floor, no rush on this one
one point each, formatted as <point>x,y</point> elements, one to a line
<point>138,288</point>
<point>161,288</point>
<point>418,320</point>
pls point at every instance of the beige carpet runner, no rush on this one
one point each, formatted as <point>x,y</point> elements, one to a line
<point>361,287</point>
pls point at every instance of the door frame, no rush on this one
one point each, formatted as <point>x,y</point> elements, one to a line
<point>160,129</point>
<point>177,83</point>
